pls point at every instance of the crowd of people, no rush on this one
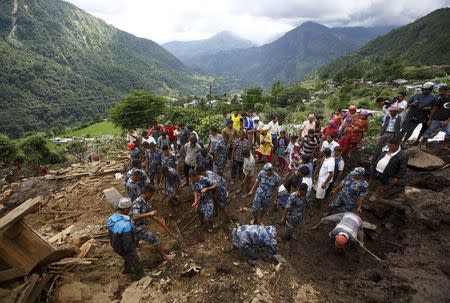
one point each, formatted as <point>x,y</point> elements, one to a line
<point>299,172</point>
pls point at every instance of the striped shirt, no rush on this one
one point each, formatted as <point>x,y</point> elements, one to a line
<point>309,145</point>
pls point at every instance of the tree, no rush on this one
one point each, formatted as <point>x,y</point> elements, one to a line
<point>252,96</point>
<point>138,110</point>
<point>8,150</point>
<point>78,149</point>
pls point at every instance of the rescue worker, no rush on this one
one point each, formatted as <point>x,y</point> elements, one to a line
<point>205,159</point>
<point>267,184</point>
<point>136,165</point>
<point>353,190</point>
<point>171,180</point>
<point>247,238</point>
<point>221,151</point>
<point>134,185</point>
<point>121,236</point>
<point>168,158</point>
<point>294,211</point>
<point>203,188</point>
<point>154,164</point>
<point>139,212</point>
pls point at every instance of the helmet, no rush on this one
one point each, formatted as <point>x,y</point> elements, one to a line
<point>363,113</point>
<point>131,145</point>
<point>352,108</point>
<point>341,240</point>
<point>428,85</point>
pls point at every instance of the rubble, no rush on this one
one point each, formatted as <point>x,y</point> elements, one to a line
<point>419,159</point>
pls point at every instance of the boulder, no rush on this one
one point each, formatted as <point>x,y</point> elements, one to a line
<point>420,159</point>
<point>134,292</point>
<point>73,293</point>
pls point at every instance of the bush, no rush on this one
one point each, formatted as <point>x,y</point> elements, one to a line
<point>206,123</point>
<point>281,112</point>
<point>8,150</point>
<point>188,116</point>
<point>374,127</point>
<point>78,149</point>
<point>37,152</point>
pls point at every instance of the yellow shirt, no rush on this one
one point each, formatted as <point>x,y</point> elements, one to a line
<point>236,121</point>
<point>266,147</point>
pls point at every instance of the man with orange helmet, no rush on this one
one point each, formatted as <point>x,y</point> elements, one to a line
<point>349,227</point>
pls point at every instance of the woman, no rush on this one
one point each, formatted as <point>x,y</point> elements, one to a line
<point>282,144</point>
<point>348,118</point>
<point>359,125</point>
<point>331,129</point>
<point>265,146</point>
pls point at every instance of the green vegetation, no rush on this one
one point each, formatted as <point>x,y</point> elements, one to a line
<point>8,150</point>
<point>94,130</point>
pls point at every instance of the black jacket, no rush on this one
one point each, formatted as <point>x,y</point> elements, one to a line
<point>396,166</point>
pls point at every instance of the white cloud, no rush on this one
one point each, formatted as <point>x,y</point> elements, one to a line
<point>256,20</point>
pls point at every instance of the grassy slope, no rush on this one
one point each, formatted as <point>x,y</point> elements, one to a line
<point>94,130</point>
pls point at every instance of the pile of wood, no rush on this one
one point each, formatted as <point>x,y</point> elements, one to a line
<point>93,169</point>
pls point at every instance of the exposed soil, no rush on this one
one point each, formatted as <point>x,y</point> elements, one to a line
<point>414,250</point>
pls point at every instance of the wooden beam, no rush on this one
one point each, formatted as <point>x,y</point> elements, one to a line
<point>12,273</point>
<point>19,212</point>
<point>27,291</point>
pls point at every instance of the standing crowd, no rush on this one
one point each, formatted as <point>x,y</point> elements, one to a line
<point>299,172</point>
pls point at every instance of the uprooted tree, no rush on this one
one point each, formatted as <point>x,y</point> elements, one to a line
<point>78,149</point>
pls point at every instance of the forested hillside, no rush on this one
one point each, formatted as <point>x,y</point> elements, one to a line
<point>61,66</point>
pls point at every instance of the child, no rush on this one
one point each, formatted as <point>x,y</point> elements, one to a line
<point>282,144</point>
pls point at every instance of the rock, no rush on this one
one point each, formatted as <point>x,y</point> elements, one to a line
<point>73,292</point>
<point>420,159</point>
<point>133,293</point>
<point>224,268</point>
<point>100,298</point>
<point>112,288</point>
<point>259,273</point>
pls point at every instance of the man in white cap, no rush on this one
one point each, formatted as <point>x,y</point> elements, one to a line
<point>121,235</point>
<point>267,182</point>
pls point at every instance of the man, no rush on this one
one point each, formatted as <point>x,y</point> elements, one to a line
<point>420,106</point>
<point>132,136</point>
<point>139,212</point>
<point>339,165</point>
<point>182,136</point>
<point>205,159</point>
<point>136,166</point>
<point>170,130</point>
<point>267,183</point>
<point>239,145</point>
<point>163,140</point>
<point>353,190</point>
<point>439,117</point>
<point>134,186</point>
<point>390,130</point>
<point>295,209</point>
<point>135,153</point>
<point>121,236</point>
<point>325,174</point>
<point>310,144</point>
<point>236,119</point>
<point>290,184</point>
<point>329,143</point>
<point>258,127</point>
<point>247,238</point>
<point>168,158</point>
<point>274,129</point>
<point>230,131</point>
<point>349,228</point>
<point>190,150</point>
<point>154,163</point>
<point>156,128</point>
<point>400,103</point>
<point>307,125</point>
<point>225,119</point>
<point>203,188</point>
<point>249,171</point>
<point>249,127</point>
<point>171,180</point>
<point>388,168</point>
<point>220,193</point>
<point>213,138</point>
<point>221,152</point>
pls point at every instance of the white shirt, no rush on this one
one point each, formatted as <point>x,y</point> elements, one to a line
<point>326,168</point>
<point>274,128</point>
<point>306,126</point>
<point>150,140</point>
<point>307,181</point>
<point>401,105</point>
<point>391,126</point>
<point>259,126</point>
<point>249,165</point>
<point>381,165</point>
<point>331,146</point>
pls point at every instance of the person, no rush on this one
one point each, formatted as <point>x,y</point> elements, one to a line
<point>239,145</point>
<point>287,159</point>
<point>325,174</point>
<point>192,132</point>
<point>162,140</point>
<point>134,186</point>
<point>331,129</point>
<point>156,130</point>
<point>290,184</point>
<point>204,159</point>
<point>220,194</point>
<point>135,153</point>
<point>348,118</point>
<point>247,238</point>
<point>203,188</point>
<point>390,130</point>
<point>265,146</point>
<point>132,136</point>
<point>170,130</point>
<point>360,125</point>
<point>439,117</point>
<point>221,152</point>
<point>190,150</point>
<point>339,165</point>
<point>329,143</point>
<point>225,119</point>
<point>146,141</point>
<point>213,138</point>
<point>399,102</point>
<point>171,182</point>
<point>282,144</point>
<point>337,117</point>
<point>310,143</point>
<point>318,130</point>
<point>420,106</point>
<point>344,141</point>
<point>136,166</point>
<point>122,239</point>
<point>182,136</point>
<point>139,212</point>
<point>248,169</point>
<point>249,127</point>
<point>236,119</point>
<point>294,158</point>
<point>258,127</point>
<point>168,158</point>
<point>267,183</point>
<point>295,209</point>
<point>154,164</point>
<point>230,131</point>
<point>308,124</point>
<point>274,128</point>
<point>353,190</point>
<point>306,161</point>
<point>349,227</point>
<point>388,167</point>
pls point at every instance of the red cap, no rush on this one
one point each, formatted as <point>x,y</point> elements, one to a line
<point>131,145</point>
<point>340,241</point>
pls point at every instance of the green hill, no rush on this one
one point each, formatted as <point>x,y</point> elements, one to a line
<point>61,66</point>
<point>423,42</point>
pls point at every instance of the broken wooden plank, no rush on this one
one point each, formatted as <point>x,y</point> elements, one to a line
<point>19,212</point>
<point>34,278</point>
<point>73,261</point>
<point>66,177</point>
<point>61,236</point>
<point>84,249</point>
<point>60,254</point>
<point>37,290</point>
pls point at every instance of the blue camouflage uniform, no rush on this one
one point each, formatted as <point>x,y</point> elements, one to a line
<point>206,205</point>
<point>221,192</point>
<point>221,149</point>
<point>351,191</point>
<point>248,237</point>
<point>206,162</point>
<point>296,206</point>
<point>140,206</point>
<point>133,189</point>
<point>169,161</point>
<point>172,182</point>
<point>144,180</point>
<point>266,189</point>
<point>135,154</point>
<point>154,164</point>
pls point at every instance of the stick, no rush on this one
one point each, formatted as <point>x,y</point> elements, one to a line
<point>393,243</point>
<point>368,251</point>
<point>190,221</point>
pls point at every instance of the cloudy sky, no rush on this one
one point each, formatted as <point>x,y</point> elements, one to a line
<point>257,20</point>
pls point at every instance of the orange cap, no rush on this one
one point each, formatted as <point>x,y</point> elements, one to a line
<point>340,241</point>
<point>131,145</point>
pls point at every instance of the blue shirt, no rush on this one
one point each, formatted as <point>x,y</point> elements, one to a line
<point>418,113</point>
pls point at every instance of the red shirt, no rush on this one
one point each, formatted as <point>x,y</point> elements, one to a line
<point>329,130</point>
<point>170,130</point>
<point>160,126</point>
<point>344,142</point>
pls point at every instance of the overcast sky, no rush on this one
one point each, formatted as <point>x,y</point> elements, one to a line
<point>257,20</point>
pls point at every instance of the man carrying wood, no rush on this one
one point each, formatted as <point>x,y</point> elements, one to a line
<point>122,238</point>
<point>139,212</point>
